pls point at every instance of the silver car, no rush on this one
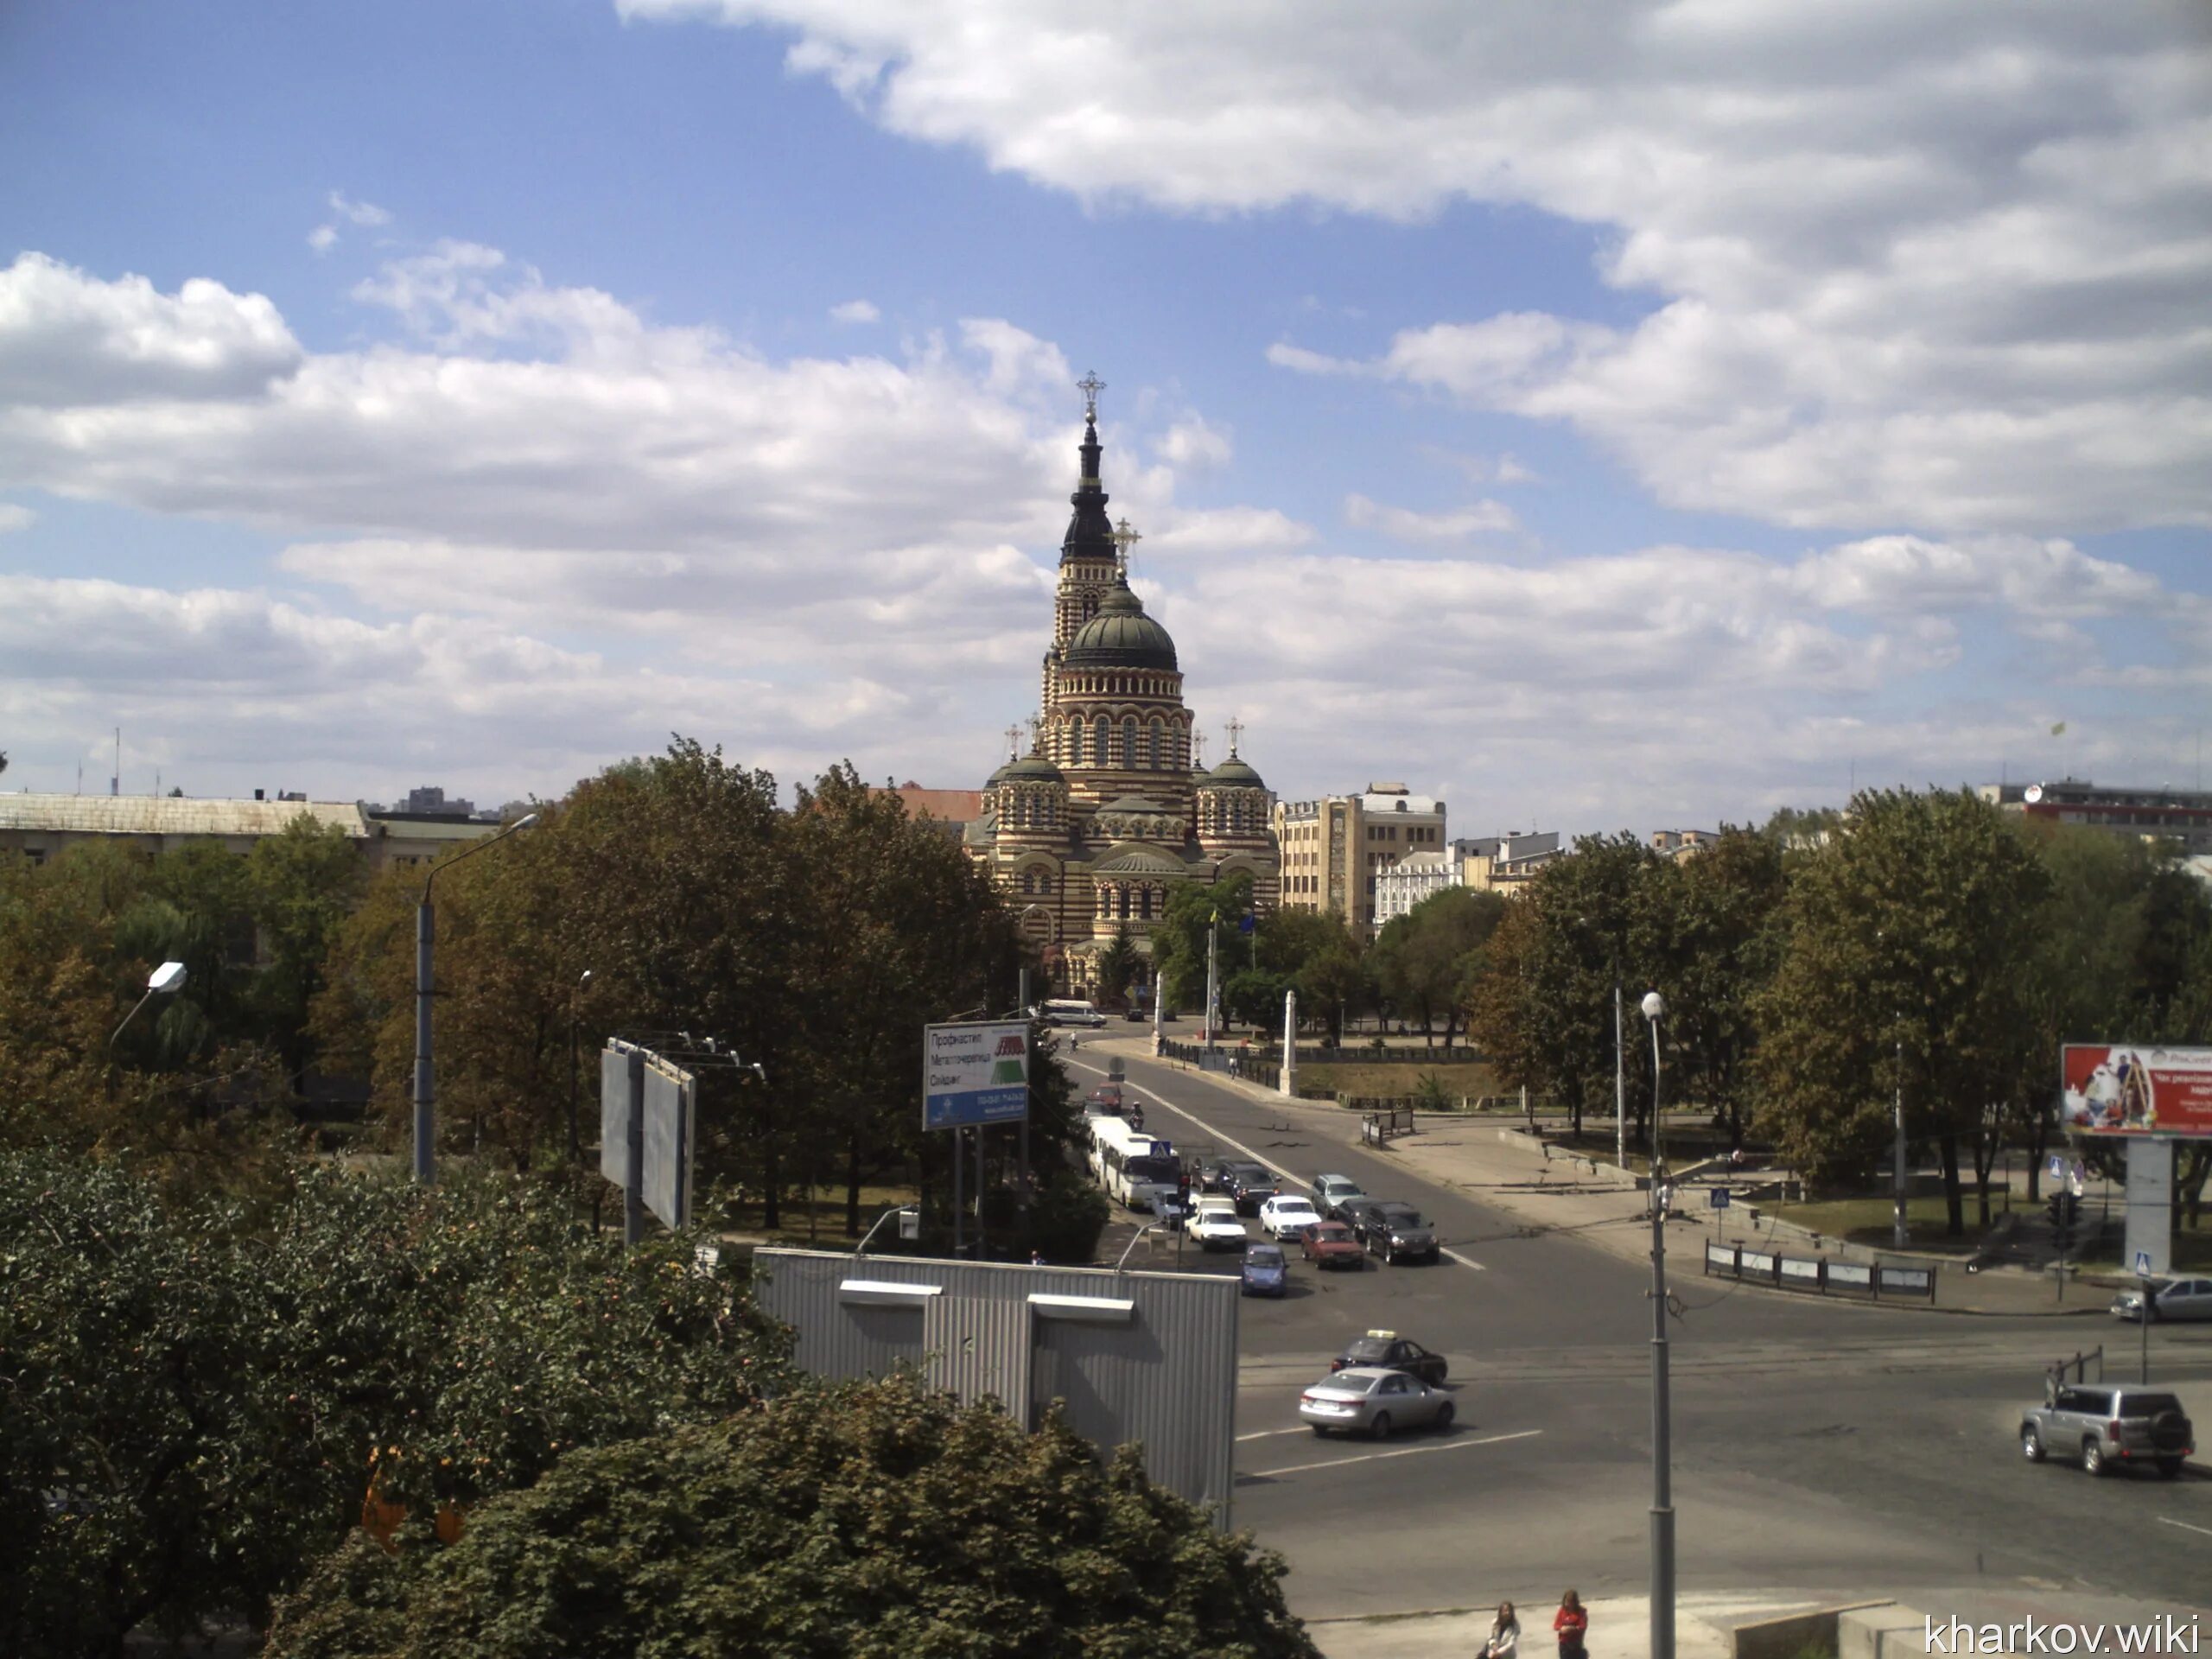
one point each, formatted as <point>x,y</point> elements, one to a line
<point>1363,1399</point>
<point>2178,1298</point>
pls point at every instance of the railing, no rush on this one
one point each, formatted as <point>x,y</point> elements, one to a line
<point>1379,1127</point>
<point>2055,1373</point>
<point>1818,1273</point>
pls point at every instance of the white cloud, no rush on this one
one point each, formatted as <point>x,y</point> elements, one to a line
<point>323,238</point>
<point>14,516</point>
<point>1193,446</point>
<point>855,311</point>
<point>364,213</point>
<point>1910,265</point>
<point>1404,524</point>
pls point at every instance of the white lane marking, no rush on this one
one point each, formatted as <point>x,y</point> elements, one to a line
<point>2185,1525</point>
<point>1193,1117</point>
<point>1411,1450</point>
<point>1264,1434</point>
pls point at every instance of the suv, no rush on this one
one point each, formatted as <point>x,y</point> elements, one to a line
<point>2109,1429</point>
<point>1251,1185</point>
<point>1355,1213</point>
<point>1330,1191</point>
<point>1395,1232</point>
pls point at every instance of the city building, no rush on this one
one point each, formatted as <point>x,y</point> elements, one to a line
<point>950,810</point>
<point>1110,811</point>
<point>2181,815</point>
<point>42,826</point>
<point>1400,887</point>
<point>1682,843</point>
<point>1502,863</point>
<point>1335,849</point>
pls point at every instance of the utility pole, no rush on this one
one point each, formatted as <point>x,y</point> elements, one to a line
<point>1620,1082</point>
<point>1213,981</point>
<point>1663,1503</point>
<point>1900,1235</point>
<point>1288,1086</point>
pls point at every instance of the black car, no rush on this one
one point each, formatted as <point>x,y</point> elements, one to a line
<point>1251,1185</point>
<point>1396,1233</point>
<point>1387,1351</point>
<point>1354,1213</point>
<point>1213,1175</point>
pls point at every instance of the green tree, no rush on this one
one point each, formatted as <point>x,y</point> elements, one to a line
<point>1723,921</point>
<point>1118,965</point>
<point>301,885</point>
<point>193,1398</point>
<point>1425,961</point>
<point>1906,933</point>
<point>873,1519</point>
<point>1178,942</point>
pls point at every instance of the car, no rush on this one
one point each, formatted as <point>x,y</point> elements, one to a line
<point>1265,1272</point>
<point>1329,1190</point>
<point>1251,1185</point>
<point>1330,1244</point>
<point>1107,1096</point>
<point>2177,1299</point>
<point>1213,1224</point>
<point>1134,1016</point>
<point>1387,1351</point>
<point>1368,1400</point>
<point>1287,1215</point>
<point>1213,1174</point>
<point>2109,1427</point>
<point>1396,1233</point>
<point>1155,1198</point>
<point>1355,1214</point>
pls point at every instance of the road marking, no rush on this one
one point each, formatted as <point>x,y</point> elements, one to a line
<point>1409,1452</point>
<point>1263,1434</point>
<point>1193,1117</point>
<point>2185,1525</point>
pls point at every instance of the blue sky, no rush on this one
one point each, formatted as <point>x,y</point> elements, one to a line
<point>1650,425</point>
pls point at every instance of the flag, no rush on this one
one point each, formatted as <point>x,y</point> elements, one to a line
<point>1247,923</point>
<point>2059,730</point>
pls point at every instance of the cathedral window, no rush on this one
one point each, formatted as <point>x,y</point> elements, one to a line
<point>1129,742</point>
<point>1099,728</point>
<point>1152,734</point>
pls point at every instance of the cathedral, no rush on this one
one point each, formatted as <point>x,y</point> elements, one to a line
<point>1110,812</point>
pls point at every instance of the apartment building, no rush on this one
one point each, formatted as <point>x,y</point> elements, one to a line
<point>1336,849</point>
<point>1502,863</point>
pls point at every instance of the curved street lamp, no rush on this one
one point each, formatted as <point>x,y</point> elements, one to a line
<point>425,938</point>
<point>165,980</point>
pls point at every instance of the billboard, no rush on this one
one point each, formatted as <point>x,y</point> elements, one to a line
<point>2119,1090</point>
<point>975,1074</point>
<point>614,1113</point>
<point>670,1131</point>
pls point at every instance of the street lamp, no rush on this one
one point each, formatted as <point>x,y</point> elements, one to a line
<point>575,1143</point>
<point>165,980</point>
<point>425,934</point>
<point>1662,1503</point>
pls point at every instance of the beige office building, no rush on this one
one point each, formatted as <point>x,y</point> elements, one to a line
<point>1335,849</point>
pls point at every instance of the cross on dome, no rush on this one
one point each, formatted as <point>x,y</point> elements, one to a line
<point>1091,385</point>
<point>1126,537</point>
<point>1198,750</point>
<point>1036,723</point>
<point>1013,741</point>
<point>1235,731</point>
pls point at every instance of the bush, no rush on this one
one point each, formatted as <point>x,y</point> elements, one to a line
<point>873,1519</point>
<point>1066,1219</point>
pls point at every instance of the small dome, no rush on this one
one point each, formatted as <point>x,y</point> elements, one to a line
<point>1030,769</point>
<point>1120,636</point>
<point>1135,858</point>
<point>1000,776</point>
<point>1231,773</point>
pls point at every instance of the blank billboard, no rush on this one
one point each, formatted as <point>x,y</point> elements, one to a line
<point>614,1116</point>
<point>670,1097</point>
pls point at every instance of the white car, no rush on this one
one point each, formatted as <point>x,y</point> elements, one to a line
<point>1214,1224</point>
<point>1285,1216</point>
<point>2177,1299</point>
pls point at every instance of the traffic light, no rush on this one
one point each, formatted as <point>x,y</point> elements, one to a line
<point>2063,1208</point>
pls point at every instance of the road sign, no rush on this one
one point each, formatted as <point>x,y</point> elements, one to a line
<point>974,1073</point>
<point>2056,1168</point>
<point>2074,1181</point>
<point>2142,1264</point>
<point>1720,1197</point>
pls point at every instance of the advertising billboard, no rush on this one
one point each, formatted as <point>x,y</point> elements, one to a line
<point>975,1074</point>
<point>671,1132</point>
<point>2126,1089</point>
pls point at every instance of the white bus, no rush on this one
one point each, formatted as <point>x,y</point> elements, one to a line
<point>1070,1011</point>
<point>1123,1158</point>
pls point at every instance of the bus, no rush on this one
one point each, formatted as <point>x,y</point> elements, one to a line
<point>1070,1011</point>
<point>1123,1158</point>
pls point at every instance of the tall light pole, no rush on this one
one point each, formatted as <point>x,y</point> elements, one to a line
<point>1620,1082</point>
<point>1900,1235</point>
<point>576,1139</point>
<point>1663,1503</point>
<point>425,939</point>
<point>1213,978</point>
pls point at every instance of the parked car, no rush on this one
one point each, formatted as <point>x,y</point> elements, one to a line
<point>1330,1244</point>
<point>2177,1299</point>
<point>1287,1215</point>
<point>1330,1191</point>
<point>1372,1400</point>
<point>1396,1233</point>
<point>1213,1224</point>
<point>1265,1272</point>
<point>2109,1427</point>
<point>1387,1351</point>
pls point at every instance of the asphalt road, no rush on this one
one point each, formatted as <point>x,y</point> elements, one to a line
<point>1818,1447</point>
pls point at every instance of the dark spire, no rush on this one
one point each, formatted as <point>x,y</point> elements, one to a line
<point>1090,536</point>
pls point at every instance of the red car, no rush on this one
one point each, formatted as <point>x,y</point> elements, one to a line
<point>1330,1244</point>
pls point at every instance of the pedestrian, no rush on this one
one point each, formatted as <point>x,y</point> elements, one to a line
<point>1570,1623</point>
<point>1036,1258</point>
<point>1504,1634</point>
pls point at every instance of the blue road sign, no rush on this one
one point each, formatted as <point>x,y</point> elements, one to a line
<point>1720,1197</point>
<point>2142,1264</point>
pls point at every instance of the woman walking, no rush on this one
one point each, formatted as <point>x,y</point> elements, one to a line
<point>1570,1623</point>
<point>1504,1635</point>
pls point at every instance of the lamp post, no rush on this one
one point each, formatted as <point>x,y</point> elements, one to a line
<point>165,980</point>
<point>425,938</point>
<point>1662,1503</point>
<point>575,1142</point>
<point>1900,1235</point>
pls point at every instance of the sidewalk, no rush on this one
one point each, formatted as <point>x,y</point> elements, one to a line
<point>1496,1159</point>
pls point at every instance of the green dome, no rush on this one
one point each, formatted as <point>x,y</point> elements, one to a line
<point>1120,636</point>
<point>1231,773</point>
<point>1030,768</point>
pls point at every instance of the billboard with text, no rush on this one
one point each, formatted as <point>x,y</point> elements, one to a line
<point>2128,1089</point>
<point>975,1074</point>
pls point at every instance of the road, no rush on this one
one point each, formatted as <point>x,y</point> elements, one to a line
<point>1819,1447</point>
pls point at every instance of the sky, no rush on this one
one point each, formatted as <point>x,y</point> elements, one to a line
<point>1625,416</point>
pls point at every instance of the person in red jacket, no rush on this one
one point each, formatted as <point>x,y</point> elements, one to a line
<point>1570,1623</point>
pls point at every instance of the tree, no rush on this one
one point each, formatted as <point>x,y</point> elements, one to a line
<point>1178,942</point>
<point>1906,933</point>
<point>193,1398</point>
<point>301,885</point>
<point>1424,960</point>
<point>873,1519</point>
<point>1118,964</point>
<point>1723,908</point>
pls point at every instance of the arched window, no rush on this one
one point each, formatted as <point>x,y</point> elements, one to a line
<point>1075,742</point>
<point>1099,728</point>
<point>1130,741</point>
<point>1152,745</point>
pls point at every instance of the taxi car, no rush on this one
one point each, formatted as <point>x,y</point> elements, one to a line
<point>1387,1351</point>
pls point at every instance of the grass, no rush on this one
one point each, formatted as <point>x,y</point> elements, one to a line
<point>1869,1221</point>
<point>1472,1078</point>
<point>819,1220</point>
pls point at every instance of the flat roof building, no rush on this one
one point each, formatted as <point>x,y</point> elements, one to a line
<point>1336,849</point>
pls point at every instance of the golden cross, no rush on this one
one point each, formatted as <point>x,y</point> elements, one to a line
<point>1235,731</point>
<point>1091,385</point>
